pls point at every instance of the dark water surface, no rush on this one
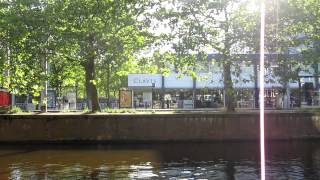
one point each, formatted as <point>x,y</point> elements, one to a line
<point>285,160</point>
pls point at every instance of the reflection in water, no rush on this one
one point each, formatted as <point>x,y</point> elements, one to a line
<point>285,160</point>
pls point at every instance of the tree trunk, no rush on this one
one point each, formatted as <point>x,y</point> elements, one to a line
<point>317,84</point>
<point>91,89</point>
<point>108,85</point>
<point>286,96</point>
<point>299,95</point>
<point>229,92</point>
<point>162,92</point>
<point>316,73</point>
<point>227,81</point>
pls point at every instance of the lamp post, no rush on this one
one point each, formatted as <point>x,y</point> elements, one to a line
<point>76,93</point>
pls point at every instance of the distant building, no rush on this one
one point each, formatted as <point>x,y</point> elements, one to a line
<point>207,90</point>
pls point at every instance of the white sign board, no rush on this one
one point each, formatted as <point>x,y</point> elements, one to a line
<point>213,79</point>
<point>210,80</point>
<point>178,81</point>
<point>145,80</point>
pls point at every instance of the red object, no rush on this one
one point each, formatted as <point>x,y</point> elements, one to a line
<point>4,98</point>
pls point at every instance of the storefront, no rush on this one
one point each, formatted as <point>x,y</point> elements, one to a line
<point>309,90</point>
<point>207,91</point>
<point>145,98</point>
<point>157,91</point>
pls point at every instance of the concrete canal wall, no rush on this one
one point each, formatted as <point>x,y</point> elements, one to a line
<point>156,127</point>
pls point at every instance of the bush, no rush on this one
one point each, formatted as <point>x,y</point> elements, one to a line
<point>4,109</point>
<point>108,110</point>
<point>15,110</point>
<point>86,110</point>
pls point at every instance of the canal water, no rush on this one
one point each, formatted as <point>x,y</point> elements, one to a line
<point>231,160</point>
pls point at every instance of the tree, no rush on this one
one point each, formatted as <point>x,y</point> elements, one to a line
<point>123,48</point>
<point>291,33</point>
<point>101,33</point>
<point>307,27</point>
<point>226,26</point>
<point>73,37</point>
<point>23,43</point>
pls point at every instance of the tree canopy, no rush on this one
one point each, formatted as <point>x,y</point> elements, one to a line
<point>95,44</point>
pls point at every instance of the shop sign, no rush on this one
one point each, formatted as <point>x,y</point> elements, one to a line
<point>145,80</point>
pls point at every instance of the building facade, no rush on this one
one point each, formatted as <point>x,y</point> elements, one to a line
<point>206,90</point>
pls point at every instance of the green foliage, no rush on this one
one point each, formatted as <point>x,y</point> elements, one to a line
<point>86,110</point>
<point>307,24</point>
<point>225,27</point>
<point>107,110</point>
<point>68,35</point>
<point>289,24</point>
<point>119,36</point>
<point>15,110</point>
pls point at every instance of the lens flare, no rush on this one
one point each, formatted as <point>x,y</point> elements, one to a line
<point>261,101</point>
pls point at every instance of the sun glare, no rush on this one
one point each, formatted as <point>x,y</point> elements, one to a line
<point>261,82</point>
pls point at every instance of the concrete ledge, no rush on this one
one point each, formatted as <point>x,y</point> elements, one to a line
<point>156,127</point>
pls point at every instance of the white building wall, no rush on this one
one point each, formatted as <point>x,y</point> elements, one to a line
<point>213,79</point>
<point>175,80</point>
<point>245,78</point>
